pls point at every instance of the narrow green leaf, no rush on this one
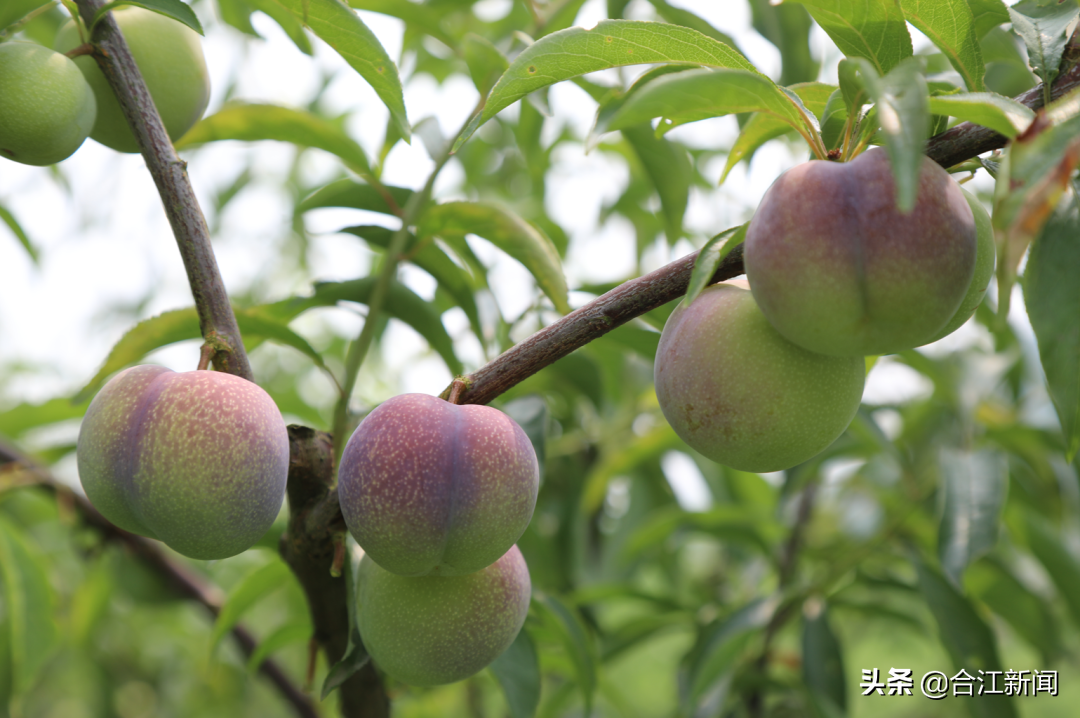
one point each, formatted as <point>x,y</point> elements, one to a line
<point>700,94</point>
<point>486,64</point>
<point>253,123</point>
<point>1052,298</point>
<point>729,523</point>
<point>966,637</point>
<point>506,230</point>
<point>24,417</point>
<point>874,30</point>
<point>671,171</point>
<point>1028,613</point>
<point>356,195</point>
<point>28,604</point>
<point>575,642</point>
<point>287,635</point>
<point>680,16</point>
<point>709,259</point>
<point>989,109</point>
<point>342,29</point>
<point>20,234</point>
<point>987,14</point>
<point>903,111</point>
<point>401,303</point>
<point>612,43</point>
<point>237,13</point>
<point>518,672</point>
<point>11,11</point>
<point>7,687</point>
<point>251,589</point>
<point>950,25</point>
<point>788,28</point>
<point>720,647</point>
<point>175,9</point>
<point>976,484</point>
<point>823,659</point>
<point>1042,27</point>
<point>1062,566</point>
<point>286,20</point>
<point>623,461</point>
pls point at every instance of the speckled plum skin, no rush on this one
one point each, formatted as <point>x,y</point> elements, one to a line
<point>839,270</point>
<point>736,391</point>
<point>985,263</point>
<point>195,459</point>
<point>432,488</point>
<point>431,630</point>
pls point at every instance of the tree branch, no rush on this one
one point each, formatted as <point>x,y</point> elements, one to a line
<point>177,195</point>
<point>178,576</point>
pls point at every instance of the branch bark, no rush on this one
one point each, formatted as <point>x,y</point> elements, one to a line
<point>177,195</point>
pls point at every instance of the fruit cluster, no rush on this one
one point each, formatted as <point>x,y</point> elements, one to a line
<point>436,494</point>
<point>52,103</point>
<point>765,379</point>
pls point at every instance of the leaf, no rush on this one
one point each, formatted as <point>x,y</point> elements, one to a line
<point>612,43</point>
<point>1062,566</point>
<point>518,672</point>
<point>903,109</point>
<point>506,230</point>
<point>1052,298</point>
<point>950,25</point>
<point>286,20</point>
<point>762,127</point>
<point>253,123</point>
<point>486,64</point>
<point>966,637</point>
<point>251,589</point>
<point>11,11</point>
<point>287,635</point>
<point>788,28</point>
<point>28,605</point>
<point>342,29</point>
<point>989,109</point>
<point>356,195</point>
<point>531,414</point>
<point>823,659</point>
<point>1027,612</point>
<point>719,648</point>
<point>169,8</point>
<point>16,229</point>
<point>25,417</point>
<point>987,15</point>
<point>622,461</point>
<point>575,642</point>
<point>671,171</point>
<point>975,485</point>
<point>874,30</point>
<point>401,303</point>
<point>709,259</point>
<point>680,16</point>
<point>1042,26</point>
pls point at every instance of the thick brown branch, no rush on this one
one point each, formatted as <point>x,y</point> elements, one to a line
<point>176,575</point>
<point>178,197</point>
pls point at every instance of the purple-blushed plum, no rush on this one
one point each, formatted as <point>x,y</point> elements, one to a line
<point>46,107</point>
<point>170,59</point>
<point>736,391</point>
<point>431,630</point>
<point>195,459</point>
<point>432,488</point>
<point>985,262</point>
<point>839,269</point>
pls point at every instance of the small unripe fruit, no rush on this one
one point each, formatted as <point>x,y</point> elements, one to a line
<point>839,270</point>
<point>430,630</point>
<point>46,106</point>
<point>196,459</point>
<point>430,487</point>
<point>736,391</point>
<point>170,58</point>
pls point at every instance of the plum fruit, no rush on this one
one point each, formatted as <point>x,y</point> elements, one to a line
<point>838,269</point>
<point>170,58</point>
<point>46,106</point>
<point>429,487</point>
<point>195,459</point>
<point>985,262</point>
<point>430,630</point>
<point>736,391</point>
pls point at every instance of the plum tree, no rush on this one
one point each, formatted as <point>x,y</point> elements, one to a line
<point>985,262</point>
<point>47,109</point>
<point>736,391</point>
<point>196,459</point>
<point>430,630</point>
<point>838,269</point>
<point>429,487</point>
<point>170,58</point>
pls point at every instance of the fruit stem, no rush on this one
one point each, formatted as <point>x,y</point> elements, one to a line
<point>339,555</point>
<point>84,49</point>
<point>457,388</point>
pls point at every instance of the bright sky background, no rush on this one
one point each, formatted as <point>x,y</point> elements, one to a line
<point>106,244</point>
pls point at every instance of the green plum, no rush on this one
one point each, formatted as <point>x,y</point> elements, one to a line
<point>195,459</point>
<point>170,57</point>
<point>736,391</point>
<point>839,269</point>
<point>985,262</point>
<point>431,630</point>
<point>430,487</point>
<point>46,106</point>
